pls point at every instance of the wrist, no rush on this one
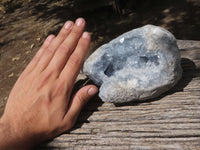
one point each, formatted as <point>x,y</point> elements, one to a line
<point>8,139</point>
<point>5,134</point>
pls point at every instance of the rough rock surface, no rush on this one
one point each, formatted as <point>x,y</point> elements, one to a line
<point>138,65</point>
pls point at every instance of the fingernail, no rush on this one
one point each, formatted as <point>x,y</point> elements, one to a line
<point>50,37</point>
<point>92,91</point>
<point>85,35</point>
<point>79,22</point>
<point>67,25</point>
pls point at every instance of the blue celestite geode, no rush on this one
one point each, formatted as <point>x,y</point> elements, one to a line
<point>138,65</point>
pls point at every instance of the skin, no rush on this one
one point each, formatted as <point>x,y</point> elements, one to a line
<point>40,106</point>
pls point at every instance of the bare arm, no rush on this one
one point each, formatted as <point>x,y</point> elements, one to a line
<point>39,106</point>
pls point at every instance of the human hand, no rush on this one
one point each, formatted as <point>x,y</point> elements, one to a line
<point>39,106</point>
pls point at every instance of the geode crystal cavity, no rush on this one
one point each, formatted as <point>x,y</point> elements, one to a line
<point>138,65</point>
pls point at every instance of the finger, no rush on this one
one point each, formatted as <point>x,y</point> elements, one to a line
<point>51,49</point>
<point>77,103</point>
<point>66,48</point>
<point>38,55</point>
<point>76,60</point>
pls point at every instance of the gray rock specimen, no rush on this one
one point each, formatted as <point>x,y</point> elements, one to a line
<point>138,65</point>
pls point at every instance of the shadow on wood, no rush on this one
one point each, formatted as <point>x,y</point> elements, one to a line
<point>89,109</point>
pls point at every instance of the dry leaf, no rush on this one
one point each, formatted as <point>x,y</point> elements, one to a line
<point>5,98</point>
<point>28,52</point>
<point>24,42</point>
<point>11,75</point>
<point>32,45</point>
<point>15,58</point>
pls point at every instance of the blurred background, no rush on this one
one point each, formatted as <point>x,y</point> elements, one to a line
<point>24,24</point>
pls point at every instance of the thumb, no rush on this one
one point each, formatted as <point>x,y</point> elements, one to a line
<point>78,101</point>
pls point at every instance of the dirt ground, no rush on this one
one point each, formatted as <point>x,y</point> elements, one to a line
<point>24,26</point>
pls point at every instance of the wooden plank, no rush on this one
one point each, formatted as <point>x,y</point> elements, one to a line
<point>171,121</point>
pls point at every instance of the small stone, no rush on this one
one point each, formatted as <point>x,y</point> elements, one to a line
<point>138,65</point>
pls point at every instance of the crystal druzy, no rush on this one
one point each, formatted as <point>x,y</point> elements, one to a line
<point>138,65</point>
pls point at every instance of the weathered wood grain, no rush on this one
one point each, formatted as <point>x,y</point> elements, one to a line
<point>171,121</point>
